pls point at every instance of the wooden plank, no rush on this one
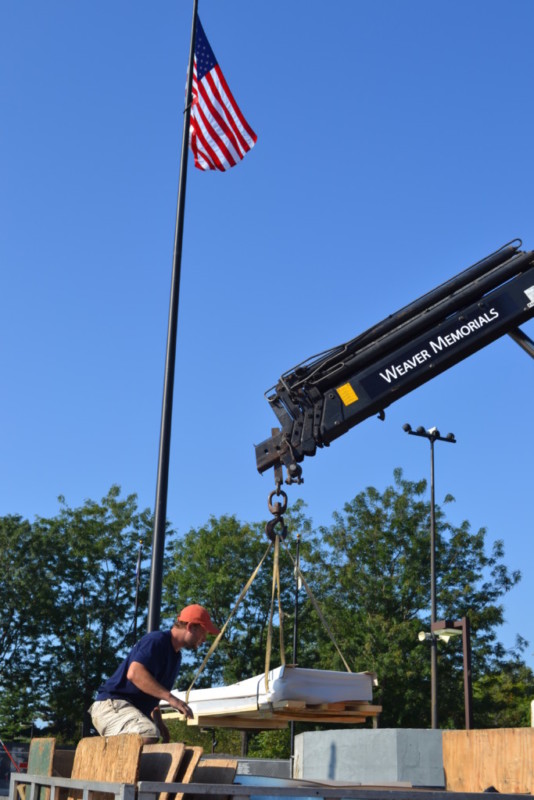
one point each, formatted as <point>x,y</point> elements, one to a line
<point>107,758</point>
<point>278,718</point>
<point>215,770</point>
<point>62,764</point>
<point>318,716</point>
<point>363,708</point>
<point>251,708</point>
<point>41,757</point>
<point>477,759</point>
<point>283,704</point>
<point>161,762</point>
<point>240,722</point>
<point>62,768</point>
<point>278,714</point>
<point>348,706</point>
<point>327,719</point>
<point>187,767</point>
<point>40,760</point>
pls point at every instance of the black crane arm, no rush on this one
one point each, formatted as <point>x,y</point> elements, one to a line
<point>322,398</point>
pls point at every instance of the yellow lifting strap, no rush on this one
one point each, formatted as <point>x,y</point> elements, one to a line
<point>275,587</point>
<point>317,608</point>
<point>275,590</point>
<point>221,634</point>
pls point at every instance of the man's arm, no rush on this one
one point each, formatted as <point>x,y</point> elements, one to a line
<point>164,731</point>
<point>141,677</point>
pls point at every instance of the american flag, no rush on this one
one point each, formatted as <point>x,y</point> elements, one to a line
<point>219,134</point>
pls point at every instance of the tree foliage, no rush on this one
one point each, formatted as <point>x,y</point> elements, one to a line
<point>370,572</point>
<point>211,565</point>
<point>378,549</point>
<point>68,586</point>
<point>26,602</point>
<point>75,590</point>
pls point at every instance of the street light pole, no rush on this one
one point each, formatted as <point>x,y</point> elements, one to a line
<point>433,435</point>
<point>295,648</point>
<point>444,629</point>
<point>433,641</point>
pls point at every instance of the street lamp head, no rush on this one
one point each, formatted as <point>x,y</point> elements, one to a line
<point>407,427</point>
<point>423,636</point>
<point>420,430</point>
<point>447,633</point>
<point>434,432</point>
<point>450,438</point>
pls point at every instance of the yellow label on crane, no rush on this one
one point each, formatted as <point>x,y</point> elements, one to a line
<point>347,394</point>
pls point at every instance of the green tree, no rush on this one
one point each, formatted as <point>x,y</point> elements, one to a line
<point>68,585</point>
<point>95,551</point>
<point>26,601</point>
<point>83,563</point>
<point>374,578</point>
<point>211,566</point>
<point>370,573</point>
<point>502,697</point>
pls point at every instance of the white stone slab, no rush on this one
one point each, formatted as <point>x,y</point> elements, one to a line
<point>311,686</point>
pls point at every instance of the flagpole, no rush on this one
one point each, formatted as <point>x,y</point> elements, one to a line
<point>162,482</point>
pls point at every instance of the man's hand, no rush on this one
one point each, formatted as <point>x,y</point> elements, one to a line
<point>180,706</point>
<point>141,677</point>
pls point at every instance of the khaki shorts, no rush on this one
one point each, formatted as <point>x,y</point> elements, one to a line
<point>112,717</point>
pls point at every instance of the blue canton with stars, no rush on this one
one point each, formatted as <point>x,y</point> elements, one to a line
<point>204,54</point>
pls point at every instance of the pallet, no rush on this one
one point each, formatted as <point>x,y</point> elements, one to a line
<point>281,713</point>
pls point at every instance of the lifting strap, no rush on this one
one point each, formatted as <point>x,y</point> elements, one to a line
<point>220,635</point>
<point>275,586</point>
<point>275,590</point>
<point>317,608</point>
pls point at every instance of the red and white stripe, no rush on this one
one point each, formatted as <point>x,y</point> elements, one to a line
<point>220,136</point>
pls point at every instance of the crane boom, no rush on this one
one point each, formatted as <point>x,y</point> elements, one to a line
<point>320,399</point>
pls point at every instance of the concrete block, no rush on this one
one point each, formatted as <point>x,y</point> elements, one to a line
<point>375,756</point>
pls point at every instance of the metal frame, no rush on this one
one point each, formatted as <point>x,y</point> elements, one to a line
<point>150,790</point>
<point>121,791</point>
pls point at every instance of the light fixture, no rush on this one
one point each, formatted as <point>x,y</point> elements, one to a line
<point>447,633</point>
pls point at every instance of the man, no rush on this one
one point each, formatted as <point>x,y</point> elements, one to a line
<point>128,702</point>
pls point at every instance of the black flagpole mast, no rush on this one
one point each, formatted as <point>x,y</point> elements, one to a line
<point>160,512</point>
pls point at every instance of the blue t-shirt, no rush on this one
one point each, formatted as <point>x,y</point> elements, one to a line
<point>156,653</point>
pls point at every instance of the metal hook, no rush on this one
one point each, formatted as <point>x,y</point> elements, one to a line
<point>271,526</point>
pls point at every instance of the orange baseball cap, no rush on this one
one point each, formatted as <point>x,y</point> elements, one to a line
<point>198,616</point>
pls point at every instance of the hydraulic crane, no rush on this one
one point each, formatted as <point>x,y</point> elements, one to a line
<point>323,397</point>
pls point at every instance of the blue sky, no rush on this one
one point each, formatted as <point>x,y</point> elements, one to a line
<point>394,150</point>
